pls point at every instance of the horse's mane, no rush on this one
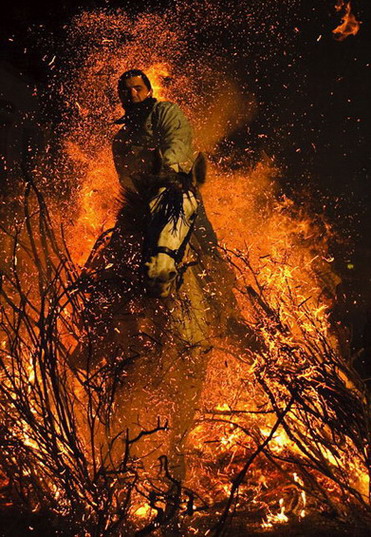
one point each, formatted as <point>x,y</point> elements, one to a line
<point>168,202</point>
<point>169,205</point>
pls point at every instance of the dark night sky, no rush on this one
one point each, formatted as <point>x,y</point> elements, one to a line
<point>315,115</point>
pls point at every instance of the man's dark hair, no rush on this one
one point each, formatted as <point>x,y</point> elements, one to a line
<point>135,72</point>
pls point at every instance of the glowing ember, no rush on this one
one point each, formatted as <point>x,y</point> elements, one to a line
<point>349,24</point>
<point>145,511</point>
<point>279,518</point>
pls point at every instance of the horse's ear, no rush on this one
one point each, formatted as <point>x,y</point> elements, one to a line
<point>199,169</point>
<point>157,162</point>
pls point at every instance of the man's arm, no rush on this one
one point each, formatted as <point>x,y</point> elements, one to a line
<point>175,136</point>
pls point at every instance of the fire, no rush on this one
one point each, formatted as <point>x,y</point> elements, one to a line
<point>279,518</point>
<point>145,511</point>
<point>158,73</point>
<point>349,24</point>
<point>303,495</point>
<point>264,411</point>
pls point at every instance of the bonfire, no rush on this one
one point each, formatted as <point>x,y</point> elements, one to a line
<point>280,435</point>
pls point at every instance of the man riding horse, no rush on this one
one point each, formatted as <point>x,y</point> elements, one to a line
<point>150,126</point>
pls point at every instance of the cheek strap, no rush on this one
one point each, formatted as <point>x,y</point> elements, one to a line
<point>165,250</point>
<point>177,254</point>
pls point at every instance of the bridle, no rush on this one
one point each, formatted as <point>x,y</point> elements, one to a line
<point>178,253</point>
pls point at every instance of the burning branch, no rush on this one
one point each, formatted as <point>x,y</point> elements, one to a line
<point>296,439</point>
<point>316,454</point>
<point>239,479</point>
<point>55,450</point>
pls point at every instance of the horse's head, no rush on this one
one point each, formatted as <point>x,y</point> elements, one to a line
<point>172,213</point>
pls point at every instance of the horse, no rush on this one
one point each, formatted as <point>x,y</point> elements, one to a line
<point>147,318</point>
<point>169,200</point>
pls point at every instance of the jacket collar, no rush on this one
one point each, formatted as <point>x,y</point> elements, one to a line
<point>137,113</point>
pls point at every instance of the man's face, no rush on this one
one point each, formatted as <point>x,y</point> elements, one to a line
<point>134,91</point>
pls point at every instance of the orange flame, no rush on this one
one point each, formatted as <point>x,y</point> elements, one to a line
<point>288,249</point>
<point>349,24</point>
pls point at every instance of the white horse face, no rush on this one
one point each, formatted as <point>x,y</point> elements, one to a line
<point>161,268</point>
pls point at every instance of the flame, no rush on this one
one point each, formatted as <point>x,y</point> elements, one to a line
<point>279,518</point>
<point>144,511</point>
<point>158,73</point>
<point>349,24</point>
<point>303,496</point>
<point>287,250</point>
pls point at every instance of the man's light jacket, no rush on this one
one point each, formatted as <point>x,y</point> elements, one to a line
<point>165,127</point>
